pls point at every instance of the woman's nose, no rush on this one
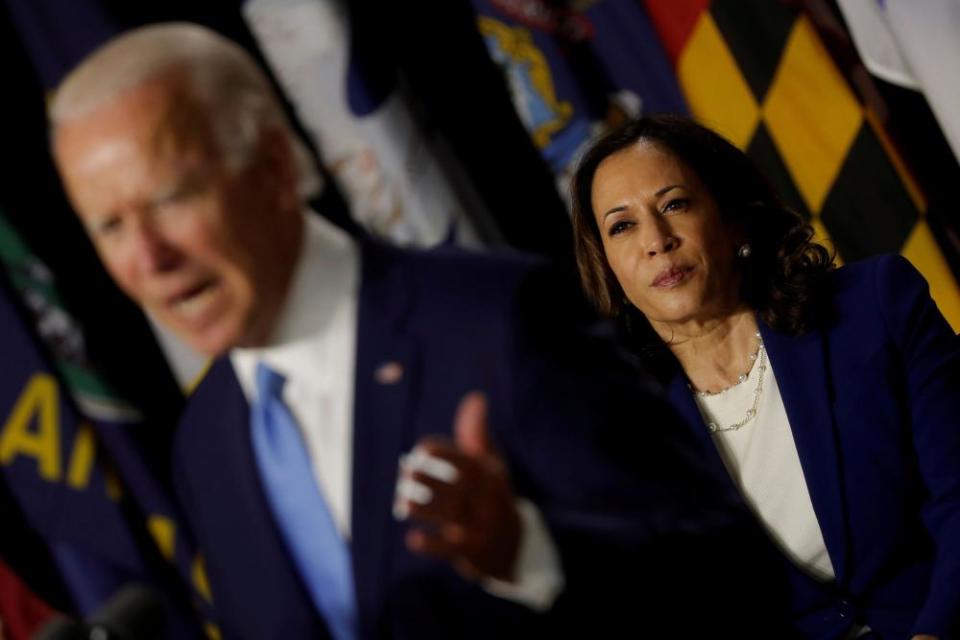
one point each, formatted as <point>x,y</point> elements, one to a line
<point>660,240</point>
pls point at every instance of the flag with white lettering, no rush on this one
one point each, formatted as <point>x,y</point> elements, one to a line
<point>75,457</point>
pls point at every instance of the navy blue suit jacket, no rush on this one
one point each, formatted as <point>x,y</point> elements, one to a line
<point>584,438</point>
<point>873,401</point>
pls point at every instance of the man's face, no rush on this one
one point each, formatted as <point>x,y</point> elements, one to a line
<point>207,251</point>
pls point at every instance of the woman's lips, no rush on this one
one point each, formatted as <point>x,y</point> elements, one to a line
<point>671,277</point>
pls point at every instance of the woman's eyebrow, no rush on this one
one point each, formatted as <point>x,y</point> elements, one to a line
<point>668,188</point>
<point>659,193</point>
<point>621,207</point>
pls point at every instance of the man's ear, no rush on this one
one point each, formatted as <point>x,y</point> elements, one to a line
<point>277,165</point>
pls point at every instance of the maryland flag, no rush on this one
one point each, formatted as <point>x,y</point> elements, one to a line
<point>757,72</point>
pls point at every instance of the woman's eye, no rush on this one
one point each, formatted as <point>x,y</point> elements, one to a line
<point>619,227</point>
<point>677,204</point>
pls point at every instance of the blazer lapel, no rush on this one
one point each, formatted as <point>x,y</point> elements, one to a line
<point>385,376</point>
<point>803,376</point>
<point>680,396</point>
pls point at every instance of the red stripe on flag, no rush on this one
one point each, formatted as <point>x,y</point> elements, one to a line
<point>674,21</point>
<point>21,611</point>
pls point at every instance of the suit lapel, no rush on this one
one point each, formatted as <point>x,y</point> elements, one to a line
<point>385,376</point>
<point>241,530</point>
<point>803,376</point>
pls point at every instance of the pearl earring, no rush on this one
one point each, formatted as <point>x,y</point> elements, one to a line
<point>744,250</point>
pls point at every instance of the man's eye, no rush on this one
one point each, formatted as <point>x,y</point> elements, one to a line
<point>107,227</point>
<point>677,204</point>
<point>173,198</point>
<point>190,187</point>
<point>167,199</point>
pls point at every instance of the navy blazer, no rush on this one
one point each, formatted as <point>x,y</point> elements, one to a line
<point>584,438</point>
<point>873,402</point>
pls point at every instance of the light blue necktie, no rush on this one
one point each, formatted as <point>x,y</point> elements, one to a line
<point>320,553</point>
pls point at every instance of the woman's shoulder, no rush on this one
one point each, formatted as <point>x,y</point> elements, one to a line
<point>873,267</point>
<point>885,289</point>
<point>878,275</point>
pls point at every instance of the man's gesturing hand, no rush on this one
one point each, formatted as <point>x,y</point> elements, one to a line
<point>458,495</point>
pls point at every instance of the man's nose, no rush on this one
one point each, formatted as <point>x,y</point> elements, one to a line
<point>152,251</point>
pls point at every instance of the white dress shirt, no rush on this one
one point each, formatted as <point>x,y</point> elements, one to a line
<point>314,348</point>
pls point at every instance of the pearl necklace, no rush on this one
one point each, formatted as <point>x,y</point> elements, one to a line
<point>740,379</point>
<point>759,356</point>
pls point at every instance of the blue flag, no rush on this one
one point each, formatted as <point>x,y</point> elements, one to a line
<point>72,454</point>
<point>573,73</point>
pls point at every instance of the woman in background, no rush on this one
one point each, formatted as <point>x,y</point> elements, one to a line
<point>831,396</point>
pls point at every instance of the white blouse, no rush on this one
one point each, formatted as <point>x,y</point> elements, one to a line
<point>761,457</point>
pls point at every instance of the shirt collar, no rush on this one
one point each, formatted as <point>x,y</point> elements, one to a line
<point>325,285</point>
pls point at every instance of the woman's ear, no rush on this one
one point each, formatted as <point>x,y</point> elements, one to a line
<point>737,236</point>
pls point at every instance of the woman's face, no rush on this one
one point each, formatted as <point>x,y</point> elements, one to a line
<point>663,236</point>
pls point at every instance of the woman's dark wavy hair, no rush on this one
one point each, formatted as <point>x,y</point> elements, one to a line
<point>783,279</point>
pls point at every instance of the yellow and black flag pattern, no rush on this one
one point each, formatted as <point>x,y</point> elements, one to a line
<point>757,72</point>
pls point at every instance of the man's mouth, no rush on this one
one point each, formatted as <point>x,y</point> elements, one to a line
<point>194,301</point>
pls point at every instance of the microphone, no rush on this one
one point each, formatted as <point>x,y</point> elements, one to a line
<point>132,613</point>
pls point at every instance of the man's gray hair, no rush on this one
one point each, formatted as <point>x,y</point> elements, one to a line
<point>220,74</point>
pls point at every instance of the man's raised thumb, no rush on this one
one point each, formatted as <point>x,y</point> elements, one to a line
<point>470,426</point>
